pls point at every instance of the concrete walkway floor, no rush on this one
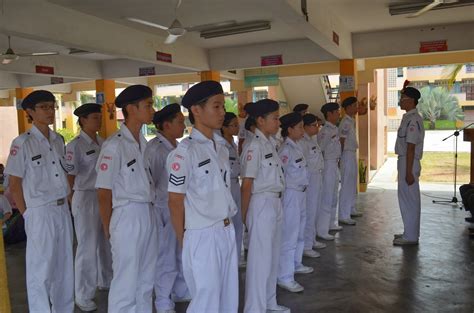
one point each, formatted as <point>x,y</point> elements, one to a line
<point>361,271</point>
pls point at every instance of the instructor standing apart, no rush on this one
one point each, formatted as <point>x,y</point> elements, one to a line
<point>409,148</point>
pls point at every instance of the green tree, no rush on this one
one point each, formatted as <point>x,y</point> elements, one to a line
<point>437,103</point>
<point>231,105</point>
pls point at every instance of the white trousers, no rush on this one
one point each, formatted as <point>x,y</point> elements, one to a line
<point>264,222</point>
<point>292,239</point>
<point>330,182</point>
<point>210,269</point>
<point>168,265</point>
<point>313,208</point>
<point>237,218</point>
<point>49,259</point>
<point>93,261</point>
<point>409,199</point>
<point>134,254</point>
<point>348,192</point>
<point>335,208</point>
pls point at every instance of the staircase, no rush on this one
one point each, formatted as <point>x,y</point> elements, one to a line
<point>331,92</point>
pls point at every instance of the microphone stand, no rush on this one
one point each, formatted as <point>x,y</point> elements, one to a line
<point>456,135</point>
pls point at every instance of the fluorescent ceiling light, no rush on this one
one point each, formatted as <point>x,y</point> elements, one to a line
<point>236,29</point>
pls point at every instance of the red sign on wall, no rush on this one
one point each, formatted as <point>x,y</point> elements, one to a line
<point>40,69</point>
<point>270,60</point>
<point>164,57</point>
<point>433,46</point>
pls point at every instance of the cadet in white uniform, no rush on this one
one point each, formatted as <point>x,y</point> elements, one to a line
<point>409,148</point>
<point>230,129</point>
<point>93,261</point>
<point>201,204</point>
<point>170,125</point>
<point>263,182</point>
<point>294,203</point>
<point>125,192</point>
<point>38,184</point>
<point>349,168</point>
<point>328,140</point>
<point>315,160</point>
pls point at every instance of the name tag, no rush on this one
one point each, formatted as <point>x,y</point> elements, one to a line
<point>204,162</point>
<point>36,157</point>
<point>131,162</point>
<point>313,148</point>
<point>90,152</point>
<point>232,159</point>
<point>267,156</point>
<point>299,160</point>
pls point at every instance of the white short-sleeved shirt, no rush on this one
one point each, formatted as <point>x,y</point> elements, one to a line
<point>199,168</point>
<point>294,165</point>
<point>247,141</point>
<point>123,168</point>
<point>234,160</point>
<point>312,153</point>
<point>157,151</point>
<point>261,162</point>
<point>347,130</point>
<point>328,140</point>
<point>411,130</point>
<point>5,206</point>
<point>81,158</point>
<point>37,161</point>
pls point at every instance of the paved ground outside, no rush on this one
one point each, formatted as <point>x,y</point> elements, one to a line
<point>434,141</point>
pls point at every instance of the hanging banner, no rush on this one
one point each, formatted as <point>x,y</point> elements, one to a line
<point>261,77</point>
<point>346,83</point>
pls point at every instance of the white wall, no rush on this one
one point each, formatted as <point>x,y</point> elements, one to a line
<point>304,89</point>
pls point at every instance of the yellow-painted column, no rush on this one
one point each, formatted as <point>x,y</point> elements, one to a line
<point>109,116</point>
<point>210,75</point>
<point>24,123</point>
<point>4,294</point>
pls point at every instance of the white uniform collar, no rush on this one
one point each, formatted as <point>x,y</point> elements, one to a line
<point>39,135</point>
<point>128,135</point>
<point>290,142</point>
<point>329,124</point>
<point>198,136</point>
<point>349,118</point>
<point>260,135</point>
<point>86,137</point>
<point>165,141</point>
<point>412,111</point>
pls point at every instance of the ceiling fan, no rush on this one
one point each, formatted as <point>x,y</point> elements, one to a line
<point>176,29</point>
<point>9,55</point>
<point>431,6</point>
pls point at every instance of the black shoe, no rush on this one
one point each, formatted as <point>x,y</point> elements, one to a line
<point>469,219</point>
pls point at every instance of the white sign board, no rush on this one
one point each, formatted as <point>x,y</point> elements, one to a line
<point>346,83</point>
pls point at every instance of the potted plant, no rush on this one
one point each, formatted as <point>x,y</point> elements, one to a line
<point>362,176</point>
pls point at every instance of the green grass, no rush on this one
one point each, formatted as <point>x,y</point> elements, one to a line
<point>441,125</point>
<point>439,167</point>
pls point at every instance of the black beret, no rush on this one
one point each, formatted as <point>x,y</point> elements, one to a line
<point>247,105</point>
<point>262,107</point>
<point>329,107</point>
<point>133,94</point>
<point>35,97</point>
<point>300,107</point>
<point>309,119</point>
<point>411,93</point>
<point>290,119</point>
<point>348,101</point>
<point>229,116</point>
<point>169,110</point>
<point>200,92</point>
<point>87,109</point>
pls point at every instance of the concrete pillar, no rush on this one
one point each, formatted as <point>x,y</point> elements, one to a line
<point>210,75</point>
<point>24,123</point>
<point>109,116</point>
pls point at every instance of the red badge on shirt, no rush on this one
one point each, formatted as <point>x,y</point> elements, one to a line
<point>175,166</point>
<point>13,152</point>
<point>284,159</point>
<point>412,129</point>
<point>104,167</point>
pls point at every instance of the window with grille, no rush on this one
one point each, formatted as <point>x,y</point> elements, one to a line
<point>391,77</point>
<point>392,98</point>
<point>468,88</point>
